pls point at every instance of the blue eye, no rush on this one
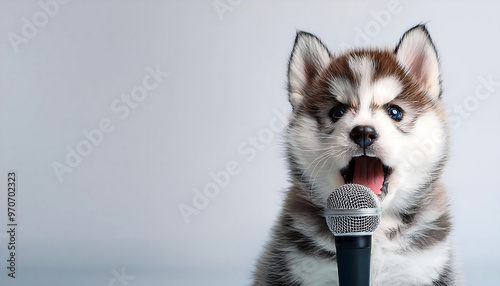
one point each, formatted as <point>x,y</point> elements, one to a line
<point>337,112</point>
<point>395,112</point>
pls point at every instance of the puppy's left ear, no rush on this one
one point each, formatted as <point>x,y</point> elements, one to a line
<point>417,54</point>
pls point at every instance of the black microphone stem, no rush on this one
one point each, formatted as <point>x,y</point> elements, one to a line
<point>353,259</point>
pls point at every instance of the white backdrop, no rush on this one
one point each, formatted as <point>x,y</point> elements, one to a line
<point>116,114</point>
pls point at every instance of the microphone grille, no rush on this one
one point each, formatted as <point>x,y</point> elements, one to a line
<point>352,209</point>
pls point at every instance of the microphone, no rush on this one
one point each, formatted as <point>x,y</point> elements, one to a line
<point>353,213</point>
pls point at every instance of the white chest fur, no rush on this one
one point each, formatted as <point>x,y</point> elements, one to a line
<point>392,263</point>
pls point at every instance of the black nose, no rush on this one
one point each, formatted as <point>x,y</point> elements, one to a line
<point>363,135</point>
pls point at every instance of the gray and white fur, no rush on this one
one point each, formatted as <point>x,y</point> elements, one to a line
<point>397,93</point>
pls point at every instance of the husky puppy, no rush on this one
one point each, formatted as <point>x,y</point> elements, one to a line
<point>372,117</point>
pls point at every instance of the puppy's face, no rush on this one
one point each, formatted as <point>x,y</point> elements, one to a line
<point>369,117</point>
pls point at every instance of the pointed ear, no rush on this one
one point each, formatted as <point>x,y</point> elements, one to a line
<point>417,54</point>
<point>308,59</point>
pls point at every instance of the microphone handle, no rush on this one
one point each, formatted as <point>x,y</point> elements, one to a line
<point>353,259</point>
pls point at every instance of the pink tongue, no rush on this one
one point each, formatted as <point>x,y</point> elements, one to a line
<point>369,172</point>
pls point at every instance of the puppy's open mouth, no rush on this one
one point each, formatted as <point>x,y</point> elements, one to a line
<point>369,172</point>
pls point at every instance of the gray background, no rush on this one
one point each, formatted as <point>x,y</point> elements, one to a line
<point>118,210</point>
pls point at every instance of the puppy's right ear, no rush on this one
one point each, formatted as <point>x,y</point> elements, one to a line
<point>309,58</point>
